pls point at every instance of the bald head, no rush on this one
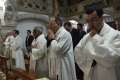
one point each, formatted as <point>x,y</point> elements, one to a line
<point>55,23</point>
<point>38,29</point>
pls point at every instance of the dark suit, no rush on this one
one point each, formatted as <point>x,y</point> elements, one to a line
<point>28,43</point>
<point>76,37</point>
<point>48,41</point>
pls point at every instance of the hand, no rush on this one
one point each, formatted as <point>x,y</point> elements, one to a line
<point>93,32</point>
<point>51,35</point>
<point>34,46</point>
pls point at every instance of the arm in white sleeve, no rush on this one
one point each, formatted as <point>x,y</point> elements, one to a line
<point>41,49</point>
<point>58,45</point>
<point>83,60</point>
<point>105,52</point>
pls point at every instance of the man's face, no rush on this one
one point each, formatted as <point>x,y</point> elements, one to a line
<point>79,27</point>
<point>94,21</point>
<point>53,26</point>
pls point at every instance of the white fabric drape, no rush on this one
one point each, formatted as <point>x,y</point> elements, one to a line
<point>61,57</point>
<point>38,58</point>
<point>104,48</point>
<point>19,58</point>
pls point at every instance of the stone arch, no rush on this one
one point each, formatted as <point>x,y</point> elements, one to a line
<point>28,22</point>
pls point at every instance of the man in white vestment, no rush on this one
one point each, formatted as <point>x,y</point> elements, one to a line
<point>38,58</point>
<point>9,53</point>
<point>61,57</point>
<point>19,58</point>
<point>8,42</point>
<point>101,45</point>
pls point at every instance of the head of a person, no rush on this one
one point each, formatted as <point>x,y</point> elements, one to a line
<point>55,23</point>
<point>28,32</point>
<point>11,33</point>
<point>68,26</point>
<point>37,31</point>
<point>94,17</point>
<point>79,26</point>
<point>15,33</point>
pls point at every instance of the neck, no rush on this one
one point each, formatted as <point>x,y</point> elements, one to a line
<point>99,30</point>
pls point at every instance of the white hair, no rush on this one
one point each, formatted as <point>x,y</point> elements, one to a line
<point>39,29</point>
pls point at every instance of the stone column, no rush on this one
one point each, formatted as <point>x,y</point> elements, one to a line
<point>116,7</point>
<point>55,8</point>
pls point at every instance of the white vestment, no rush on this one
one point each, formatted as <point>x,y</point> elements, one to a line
<point>8,46</point>
<point>104,48</point>
<point>9,51</point>
<point>19,59</point>
<point>61,57</point>
<point>38,59</point>
<point>8,41</point>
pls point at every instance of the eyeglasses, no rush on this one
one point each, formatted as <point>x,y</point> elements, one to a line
<point>93,19</point>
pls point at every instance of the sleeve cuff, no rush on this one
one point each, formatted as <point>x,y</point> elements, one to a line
<point>53,42</point>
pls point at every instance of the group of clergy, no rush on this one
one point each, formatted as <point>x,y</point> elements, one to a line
<point>97,54</point>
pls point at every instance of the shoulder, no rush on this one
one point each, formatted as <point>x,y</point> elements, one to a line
<point>112,33</point>
<point>42,38</point>
<point>83,41</point>
<point>66,34</point>
<point>18,37</point>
